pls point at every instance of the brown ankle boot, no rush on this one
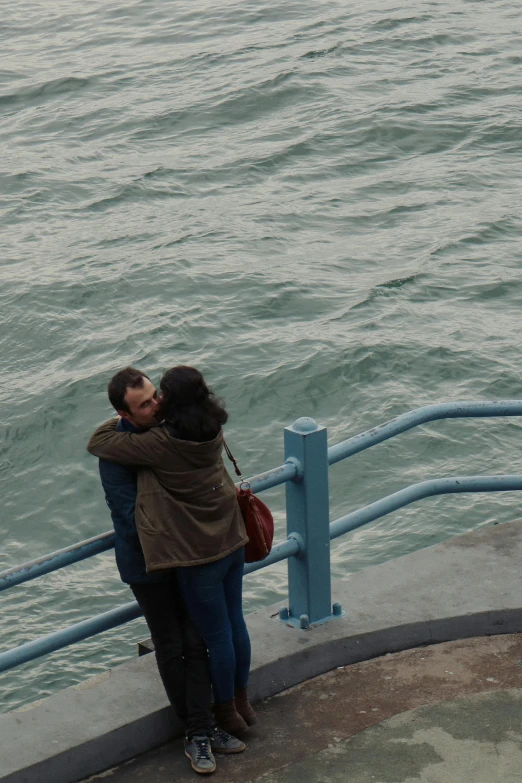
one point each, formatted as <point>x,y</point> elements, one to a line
<point>229,719</point>
<point>244,707</point>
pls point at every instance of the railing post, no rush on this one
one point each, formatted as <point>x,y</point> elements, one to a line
<point>307,511</point>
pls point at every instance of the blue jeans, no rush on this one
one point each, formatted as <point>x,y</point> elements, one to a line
<point>213,596</point>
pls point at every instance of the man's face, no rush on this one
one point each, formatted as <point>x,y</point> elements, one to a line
<point>143,404</point>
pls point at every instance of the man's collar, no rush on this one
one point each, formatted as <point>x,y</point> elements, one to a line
<point>127,426</point>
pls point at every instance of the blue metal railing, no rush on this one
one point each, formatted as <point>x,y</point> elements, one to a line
<point>424,489</point>
<point>305,474</point>
<point>441,410</point>
<point>55,560</point>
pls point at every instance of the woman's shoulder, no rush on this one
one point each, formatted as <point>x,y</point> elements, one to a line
<point>186,442</point>
<point>161,435</point>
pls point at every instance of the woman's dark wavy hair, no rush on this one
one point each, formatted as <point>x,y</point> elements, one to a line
<point>188,407</point>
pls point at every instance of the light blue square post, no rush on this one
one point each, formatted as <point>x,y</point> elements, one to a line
<point>308,515</point>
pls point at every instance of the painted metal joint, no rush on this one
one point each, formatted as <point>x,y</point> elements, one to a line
<point>299,469</point>
<point>301,552</point>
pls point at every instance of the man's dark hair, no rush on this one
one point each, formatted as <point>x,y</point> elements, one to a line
<point>129,378</point>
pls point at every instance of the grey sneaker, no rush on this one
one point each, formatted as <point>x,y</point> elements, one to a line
<point>223,742</point>
<point>197,749</point>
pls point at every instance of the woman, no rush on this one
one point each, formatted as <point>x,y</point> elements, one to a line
<point>188,518</point>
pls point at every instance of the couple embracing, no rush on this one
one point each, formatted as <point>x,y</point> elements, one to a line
<point>179,543</point>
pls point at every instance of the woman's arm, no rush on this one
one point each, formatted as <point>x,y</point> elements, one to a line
<point>127,448</point>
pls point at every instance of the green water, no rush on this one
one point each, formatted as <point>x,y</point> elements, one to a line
<point>318,204</point>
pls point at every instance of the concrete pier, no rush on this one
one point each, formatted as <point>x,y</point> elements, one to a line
<point>466,587</point>
<point>448,712</point>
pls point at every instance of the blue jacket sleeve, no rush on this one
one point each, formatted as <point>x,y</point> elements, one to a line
<point>120,487</point>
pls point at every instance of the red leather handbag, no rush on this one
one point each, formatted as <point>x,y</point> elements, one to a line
<point>258,519</point>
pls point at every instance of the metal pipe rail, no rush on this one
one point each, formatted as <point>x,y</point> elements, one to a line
<point>289,471</point>
<point>66,636</point>
<point>115,617</point>
<point>307,548</point>
<point>424,489</point>
<point>55,560</point>
<point>442,410</point>
<point>293,546</point>
<point>105,541</point>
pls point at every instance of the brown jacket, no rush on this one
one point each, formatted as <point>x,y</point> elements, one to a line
<point>186,509</point>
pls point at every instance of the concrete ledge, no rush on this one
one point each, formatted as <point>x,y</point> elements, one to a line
<point>468,586</point>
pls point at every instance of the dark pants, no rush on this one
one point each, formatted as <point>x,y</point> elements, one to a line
<point>213,595</point>
<point>181,653</point>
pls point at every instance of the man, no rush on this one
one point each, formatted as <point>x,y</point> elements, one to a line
<point>181,654</point>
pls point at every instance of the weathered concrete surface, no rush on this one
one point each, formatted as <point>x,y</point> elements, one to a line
<point>339,726</point>
<point>468,586</point>
<point>476,738</point>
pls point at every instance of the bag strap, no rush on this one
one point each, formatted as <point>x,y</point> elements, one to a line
<point>231,458</point>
